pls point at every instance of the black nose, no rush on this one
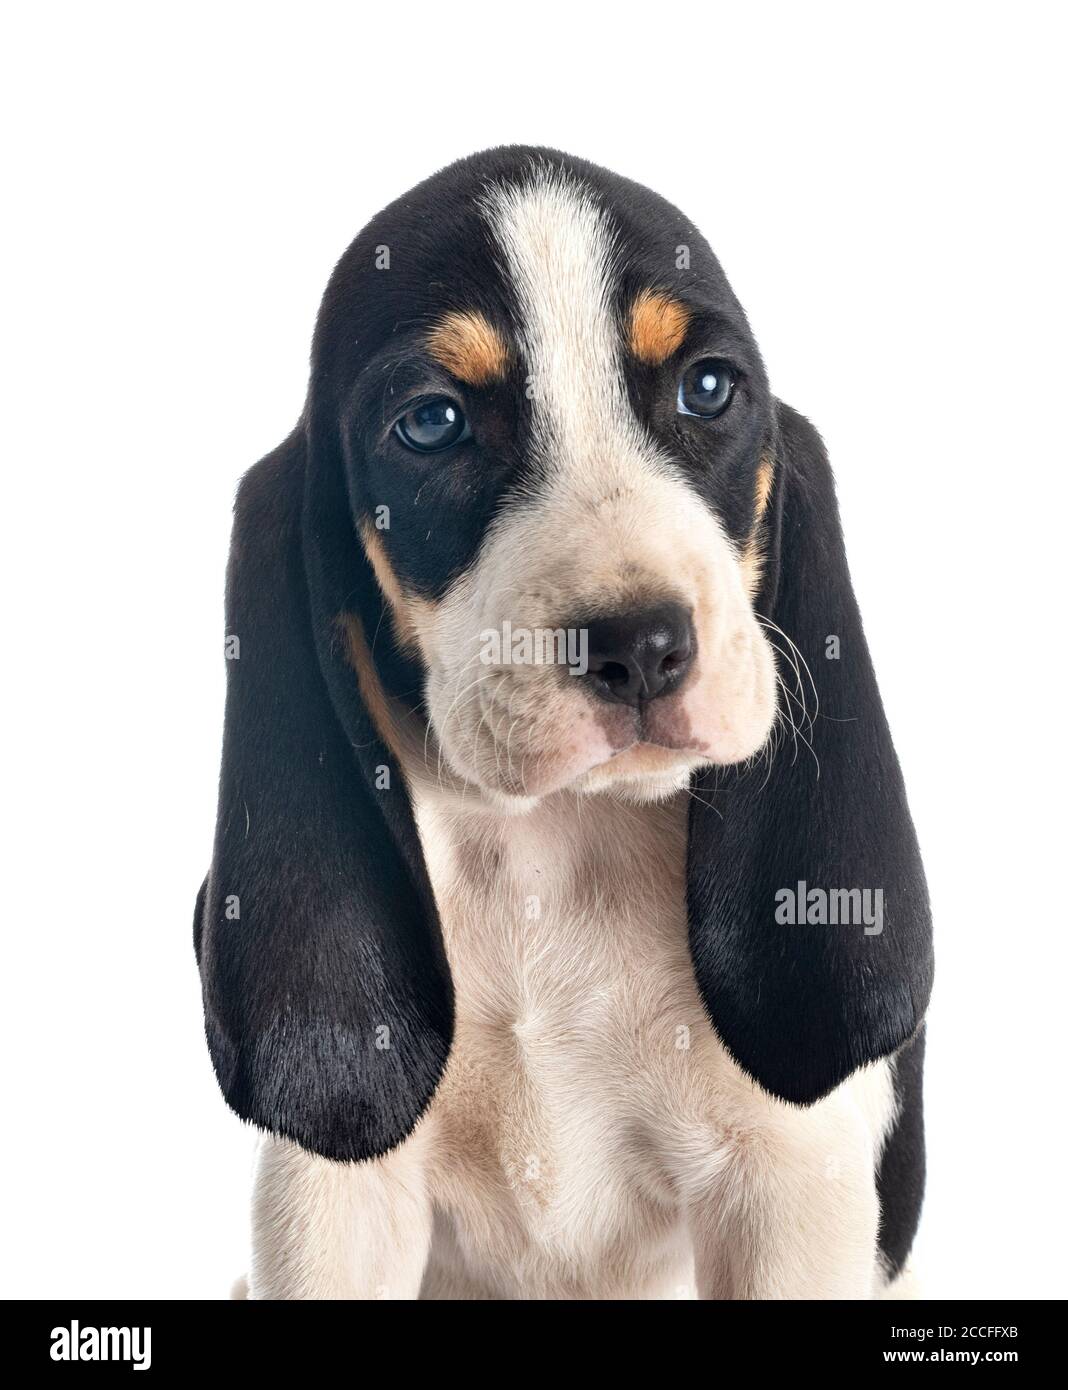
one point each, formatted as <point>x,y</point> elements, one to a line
<point>634,657</point>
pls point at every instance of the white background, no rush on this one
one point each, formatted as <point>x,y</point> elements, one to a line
<point>883,188</point>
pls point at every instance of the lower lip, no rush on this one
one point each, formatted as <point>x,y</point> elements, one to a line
<point>647,746</point>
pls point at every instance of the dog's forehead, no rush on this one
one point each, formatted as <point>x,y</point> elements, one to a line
<point>469,239</point>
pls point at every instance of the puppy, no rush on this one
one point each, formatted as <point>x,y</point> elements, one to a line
<point>566,931</point>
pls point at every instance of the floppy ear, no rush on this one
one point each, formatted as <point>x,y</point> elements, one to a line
<point>327,996</point>
<point>802,1006</point>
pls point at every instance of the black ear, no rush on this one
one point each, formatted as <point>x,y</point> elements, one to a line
<point>802,1006</point>
<point>327,996</point>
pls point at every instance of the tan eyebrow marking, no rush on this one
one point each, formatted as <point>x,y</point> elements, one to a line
<point>658,325</point>
<point>467,345</point>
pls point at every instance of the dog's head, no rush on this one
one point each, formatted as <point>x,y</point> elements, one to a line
<point>558,440</point>
<point>542,530</point>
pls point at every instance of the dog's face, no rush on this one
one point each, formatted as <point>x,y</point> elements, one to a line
<point>556,426</point>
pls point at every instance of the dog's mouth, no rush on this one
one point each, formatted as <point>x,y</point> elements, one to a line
<point>661,724</point>
<point>646,750</point>
<point>652,746</point>
<point>595,750</point>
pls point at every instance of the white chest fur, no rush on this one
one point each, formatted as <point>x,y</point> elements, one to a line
<point>591,1137</point>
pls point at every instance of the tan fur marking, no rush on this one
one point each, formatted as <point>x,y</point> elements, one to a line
<point>467,345</point>
<point>374,697</point>
<point>401,606</point>
<point>752,560</point>
<point>657,327</point>
<point>752,563</point>
<point>764,479</point>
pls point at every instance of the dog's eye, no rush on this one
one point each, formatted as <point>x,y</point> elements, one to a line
<point>706,388</point>
<point>432,426</point>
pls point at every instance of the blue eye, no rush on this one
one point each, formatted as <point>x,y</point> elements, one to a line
<point>706,388</point>
<point>432,426</point>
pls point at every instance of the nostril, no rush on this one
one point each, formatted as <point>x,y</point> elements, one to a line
<point>614,672</point>
<point>675,659</point>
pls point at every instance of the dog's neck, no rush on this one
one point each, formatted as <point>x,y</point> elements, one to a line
<point>569,860</point>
